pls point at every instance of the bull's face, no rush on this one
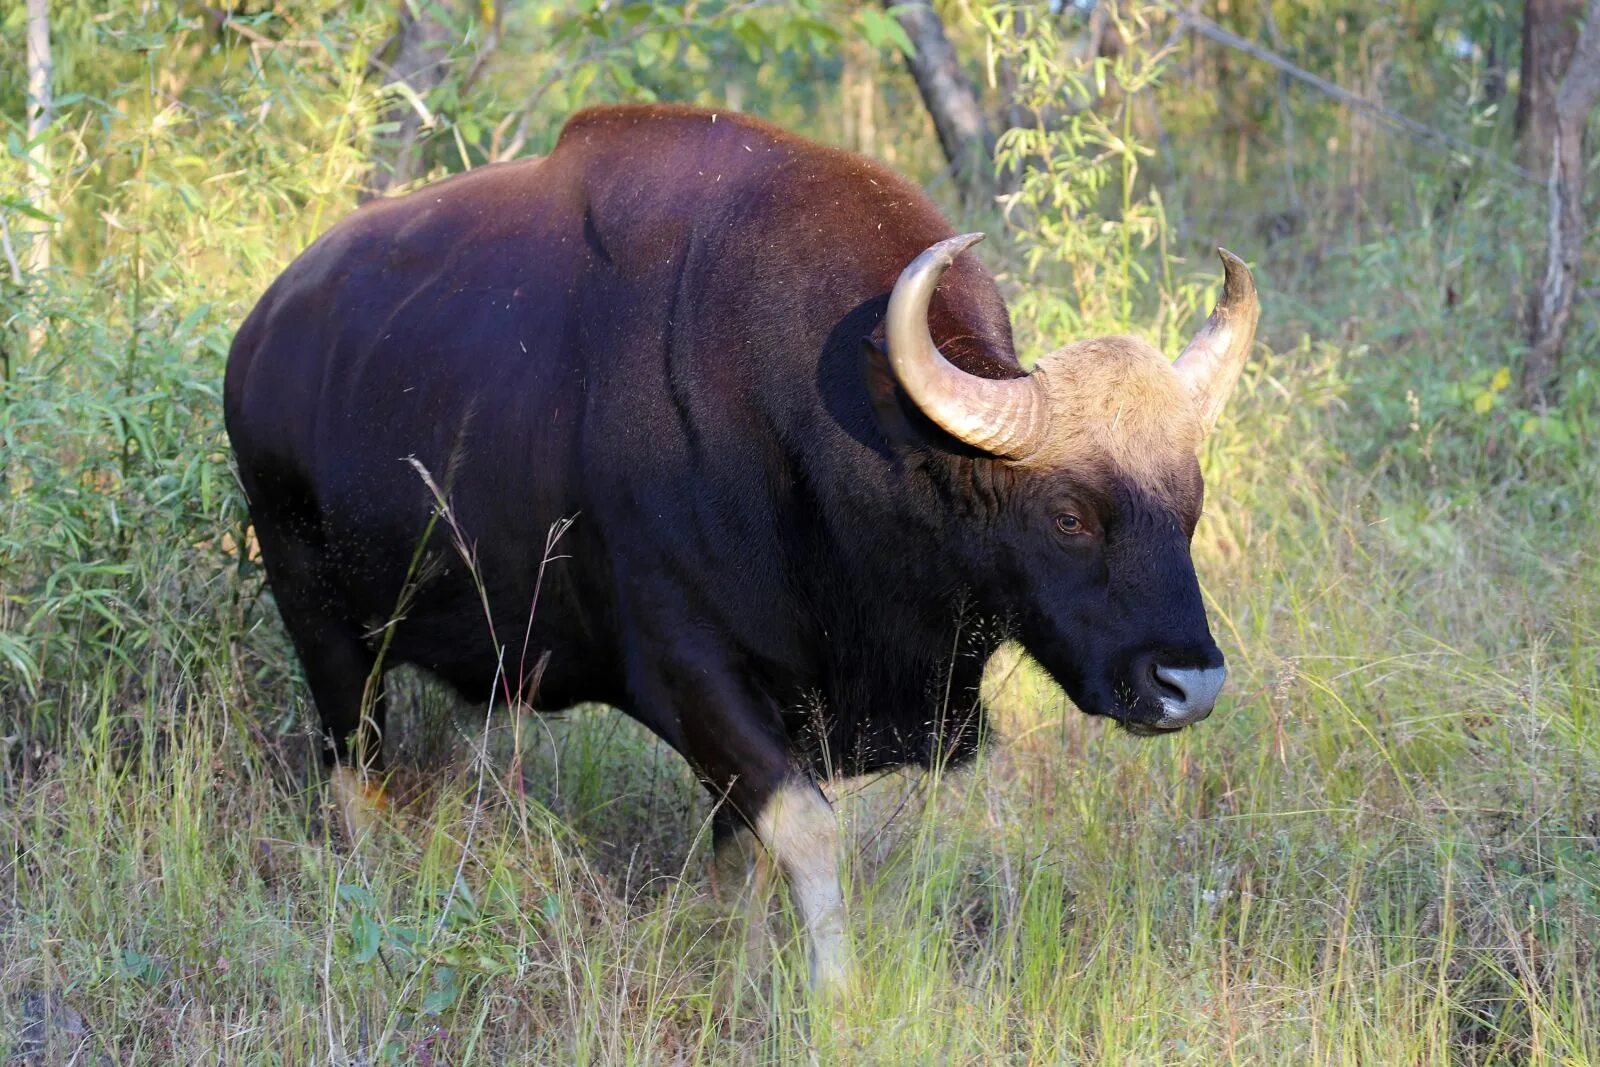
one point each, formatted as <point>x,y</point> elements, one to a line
<point>1093,544</point>
<point>1098,480</point>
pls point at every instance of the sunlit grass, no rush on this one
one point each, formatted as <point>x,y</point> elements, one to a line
<point>1382,850</point>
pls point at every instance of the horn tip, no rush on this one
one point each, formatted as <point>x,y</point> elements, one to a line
<point>1238,282</point>
<point>948,249</point>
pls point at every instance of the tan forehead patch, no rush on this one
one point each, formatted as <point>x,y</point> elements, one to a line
<point>1117,401</point>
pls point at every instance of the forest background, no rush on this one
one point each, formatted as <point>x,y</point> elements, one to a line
<point>1384,847</point>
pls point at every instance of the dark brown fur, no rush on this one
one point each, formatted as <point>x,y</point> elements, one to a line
<point>657,332</point>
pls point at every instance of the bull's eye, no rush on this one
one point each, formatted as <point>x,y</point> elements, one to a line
<point>1071,525</point>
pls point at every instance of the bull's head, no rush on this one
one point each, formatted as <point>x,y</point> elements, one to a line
<point>1098,445</point>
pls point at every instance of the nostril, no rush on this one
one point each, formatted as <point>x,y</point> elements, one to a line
<point>1194,689</point>
<point>1168,683</point>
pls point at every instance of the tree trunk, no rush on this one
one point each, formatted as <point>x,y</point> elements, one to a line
<point>947,93</point>
<point>41,111</point>
<point>1578,93</point>
<point>1494,70</point>
<point>1549,31</point>
<point>429,30</point>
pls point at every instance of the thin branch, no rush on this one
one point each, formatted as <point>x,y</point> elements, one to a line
<point>41,114</point>
<point>1208,29</point>
<point>11,253</point>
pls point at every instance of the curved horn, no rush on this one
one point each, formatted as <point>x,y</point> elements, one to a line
<point>1210,364</point>
<point>1004,417</point>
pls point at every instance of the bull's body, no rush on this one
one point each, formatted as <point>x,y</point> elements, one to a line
<point>781,558</point>
<point>655,331</point>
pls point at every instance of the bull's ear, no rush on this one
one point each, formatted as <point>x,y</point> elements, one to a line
<point>883,390</point>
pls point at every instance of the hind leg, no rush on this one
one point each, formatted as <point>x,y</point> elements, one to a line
<point>339,666</point>
<point>348,692</point>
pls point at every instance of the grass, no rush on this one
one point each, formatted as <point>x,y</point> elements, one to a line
<point>1384,848</point>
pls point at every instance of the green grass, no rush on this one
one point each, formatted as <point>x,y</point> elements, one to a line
<point>1382,849</point>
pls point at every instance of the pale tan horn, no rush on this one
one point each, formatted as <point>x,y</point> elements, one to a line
<point>1003,417</point>
<point>1211,362</point>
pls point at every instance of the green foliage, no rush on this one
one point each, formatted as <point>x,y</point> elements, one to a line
<point>561,57</point>
<point>438,958</point>
<point>880,30</point>
<point>122,514</point>
<point>1084,225</point>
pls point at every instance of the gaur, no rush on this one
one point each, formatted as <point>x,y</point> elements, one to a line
<point>810,486</point>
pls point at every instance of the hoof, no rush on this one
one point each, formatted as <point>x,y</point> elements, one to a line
<point>360,800</point>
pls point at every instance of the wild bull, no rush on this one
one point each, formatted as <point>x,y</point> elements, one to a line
<point>810,486</point>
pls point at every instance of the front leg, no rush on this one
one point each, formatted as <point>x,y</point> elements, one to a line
<point>797,826</point>
<point>734,738</point>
